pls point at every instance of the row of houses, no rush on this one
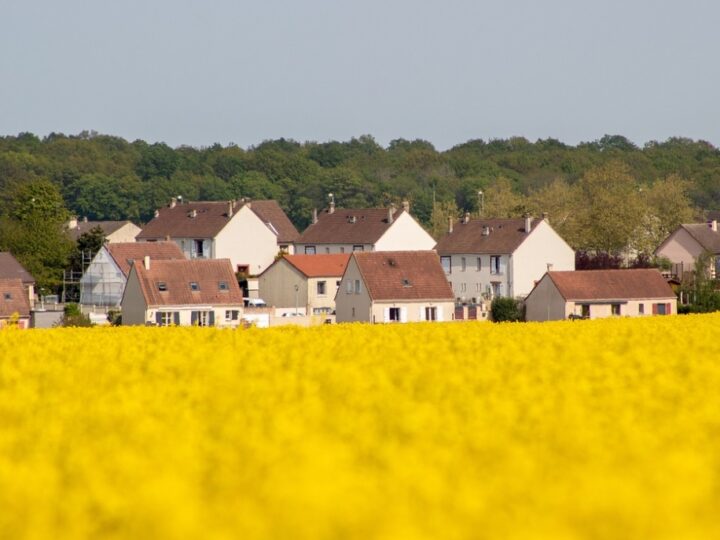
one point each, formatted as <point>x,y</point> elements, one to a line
<point>367,264</point>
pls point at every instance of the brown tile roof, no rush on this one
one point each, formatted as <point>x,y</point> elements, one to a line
<point>332,265</point>
<point>10,268</point>
<point>504,236</point>
<point>177,276</point>
<point>611,284</point>
<point>13,298</point>
<point>177,222</point>
<point>270,213</point>
<point>124,252</point>
<point>108,227</point>
<point>348,226</point>
<point>704,235</point>
<point>403,275</point>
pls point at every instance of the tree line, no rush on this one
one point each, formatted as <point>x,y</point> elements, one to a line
<point>607,195</point>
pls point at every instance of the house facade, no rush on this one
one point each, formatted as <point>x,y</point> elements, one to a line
<point>14,304</point>
<point>486,258</point>
<point>687,243</point>
<point>10,268</point>
<point>114,231</point>
<point>182,292</point>
<point>595,294</point>
<point>345,230</point>
<point>305,284</point>
<point>394,286</point>
<point>103,282</point>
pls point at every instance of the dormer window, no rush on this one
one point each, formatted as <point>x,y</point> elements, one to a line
<point>194,286</point>
<point>223,285</point>
<point>7,296</point>
<point>161,286</point>
<point>406,283</point>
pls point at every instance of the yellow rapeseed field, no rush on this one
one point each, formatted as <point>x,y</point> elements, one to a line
<point>595,429</point>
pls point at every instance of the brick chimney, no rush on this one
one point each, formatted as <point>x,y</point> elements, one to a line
<point>173,202</point>
<point>331,208</point>
<point>146,262</point>
<point>450,224</point>
<point>314,215</point>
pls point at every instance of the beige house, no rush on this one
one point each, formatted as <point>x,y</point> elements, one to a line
<point>14,303</point>
<point>344,230</point>
<point>303,284</point>
<point>235,230</point>
<point>114,231</point>
<point>10,268</point>
<point>595,294</point>
<point>485,258</point>
<point>394,286</point>
<point>182,292</point>
<point>686,243</point>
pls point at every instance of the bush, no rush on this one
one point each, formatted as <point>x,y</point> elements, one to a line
<point>72,316</point>
<point>504,309</point>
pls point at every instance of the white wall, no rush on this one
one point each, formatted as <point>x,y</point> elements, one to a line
<point>133,302</point>
<point>405,234</point>
<point>277,286</point>
<point>413,311</point>
<point>246,240</point>
<point>126,233</point>
<point>545,303</point>
<point>323,249</point>
<point>681,247</point>
<point>472,283</point>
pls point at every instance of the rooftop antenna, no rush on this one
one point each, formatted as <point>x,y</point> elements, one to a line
<point>179,198</point>
<point>332,198</point>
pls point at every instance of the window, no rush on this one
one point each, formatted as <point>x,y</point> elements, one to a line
<point>479,263</point>
<point>7,296</point>
<point>615,309</point>
<point>641,309</point>
<point>161,286</point>
<point>327,250</point>
<point>342,249</point>
<point>585,311</point>
<point>232,315</point>
<point>660,309</point>
<point>284,249</point>
<point>349,287</point>
<point>406,283</point>
<point>446,264</point>
<point>357,286</point>
<point>202,318</point>
<point>496,289</point>
<point>309,250</point>
<point>166,318</point>
<point>353,313</point>
<point>394,314</point>
<point>431,314</point>
<point>495,267</point>
<point>194,286</point>
<point>322,311</point>
<point>358,248</point>
<point>199,251</point>
<point>243,269</point>
<point>337,284</point>
<point>478,287</point>
<point>463,287</point>
<point>463,264</point>
<point>321,286</point>
<point>223,285</point>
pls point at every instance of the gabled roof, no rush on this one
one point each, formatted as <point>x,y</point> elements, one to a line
<point>502,236</point>
<point>125,252</point>
<point>272,215</point>
<point>192,219</point>
<point>176,275</point>
<point>403,275</point>
<point>10,268</point>
<point>625,284</point>
<point>13,298</point>
<point>704,235</point>
<point>108,227</point>
<point>332,265</point>
<point>349,226</point>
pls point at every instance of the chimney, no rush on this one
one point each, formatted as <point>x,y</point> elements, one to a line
<point>157,213</point>
<point>406,206</point>
<point>545,217</point>
<point>466,218</point>
<point>528,223</point>
<point>248,202</point>
<point>391,213</point>
<point>450,224</point>
<point>85,219</point>
<point>486,230</point>
<point>146,262</point>
<point>173,202</point>
<point>713,225</point>
<point>314,215</point>
<point>192,213</point>
<point>230,209</point>
<point>73,224</point>
<point>331,209</point>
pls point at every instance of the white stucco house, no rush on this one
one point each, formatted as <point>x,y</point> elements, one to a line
<point>688,242</point>
<point>394,286</point>
<point>344,230</point>
<point>485,258</point>
<point>103,282</point>
<point>195,292</point>
<point>593,294</point>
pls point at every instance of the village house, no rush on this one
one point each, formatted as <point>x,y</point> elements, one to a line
<point>486,258</point>
<point>688,242</point>
<point>344,230</point>
<point>594,294</point>
<point>394,286</point>
<point>10,268</point>
<point>303,284</point>
<point>181,292</point>
<point>114,231</point>
<point>249,233</point>
<point>14,303</point>
<point>103,282</point>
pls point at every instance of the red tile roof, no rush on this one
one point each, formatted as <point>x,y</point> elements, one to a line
<point>403,275</point>
<point>332,265</point>
<point>611,284</point>
<point>11,268</point>
<point>108,227</point>
<point>503,236</point>
<point>176,275</point>
<point>348,226</point>
<point>271,214</point>
<point>13,298</point>
<point>125,252</point>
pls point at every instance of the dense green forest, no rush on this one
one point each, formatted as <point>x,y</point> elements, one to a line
<point>606,195</point>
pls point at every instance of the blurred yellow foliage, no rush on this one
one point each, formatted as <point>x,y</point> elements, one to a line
<point>596,429</point>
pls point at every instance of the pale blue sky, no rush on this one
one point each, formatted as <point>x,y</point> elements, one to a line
<point>200,72</point>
